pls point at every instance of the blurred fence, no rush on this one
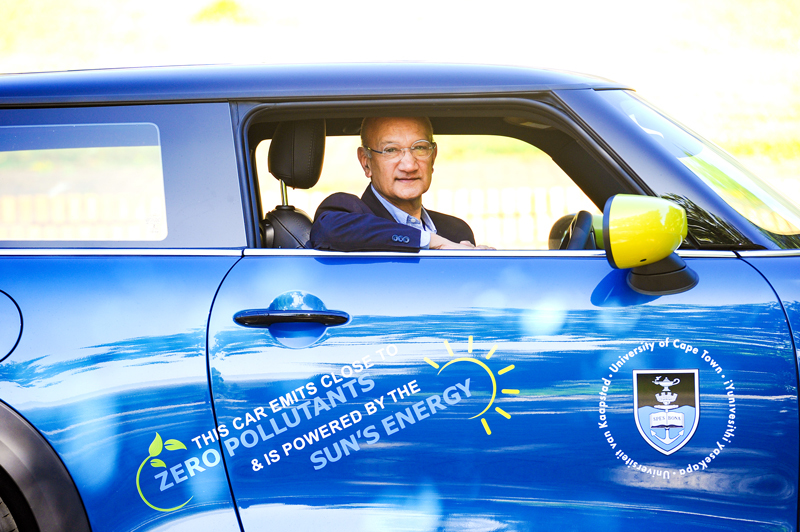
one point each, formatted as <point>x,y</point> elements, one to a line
<point>86,216</point>
<point>509,218</point>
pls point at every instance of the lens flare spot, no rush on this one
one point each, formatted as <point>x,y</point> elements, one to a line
<point>546,318</point>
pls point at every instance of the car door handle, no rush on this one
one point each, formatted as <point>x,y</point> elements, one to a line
<point>268,317</point>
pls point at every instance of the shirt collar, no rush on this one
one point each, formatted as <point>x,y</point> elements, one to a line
<point>402,217</point>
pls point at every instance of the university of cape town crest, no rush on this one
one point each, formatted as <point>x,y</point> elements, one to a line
<point>666,407</point>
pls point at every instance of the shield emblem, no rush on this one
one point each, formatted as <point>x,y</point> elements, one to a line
<point>666,407</point>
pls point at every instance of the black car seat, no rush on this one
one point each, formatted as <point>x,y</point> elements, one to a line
<point>295,159</point>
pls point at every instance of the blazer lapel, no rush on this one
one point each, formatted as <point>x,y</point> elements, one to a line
<point>375,205</point>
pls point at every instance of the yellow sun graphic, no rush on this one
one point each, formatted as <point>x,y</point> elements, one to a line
<point>486,368</point>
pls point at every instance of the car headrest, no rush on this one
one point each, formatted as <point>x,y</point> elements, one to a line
<point>296,152</point>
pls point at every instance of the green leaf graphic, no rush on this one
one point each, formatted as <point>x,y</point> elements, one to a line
<point>157,446</point>
<point>155,462</point>
<point>174,445</point>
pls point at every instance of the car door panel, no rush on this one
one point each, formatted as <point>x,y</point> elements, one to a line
<point>498,390</point>
<point>111,361</point>
<point>780,269</point>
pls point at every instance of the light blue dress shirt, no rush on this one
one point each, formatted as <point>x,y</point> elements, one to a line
<point>425,225</point>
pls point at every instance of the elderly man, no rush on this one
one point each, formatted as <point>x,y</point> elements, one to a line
<point>397,155</point>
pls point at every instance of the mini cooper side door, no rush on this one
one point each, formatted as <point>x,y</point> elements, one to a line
<point>501,390</point>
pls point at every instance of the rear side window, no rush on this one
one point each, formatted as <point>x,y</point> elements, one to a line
<point>128,176</point>
<point>87,182</point>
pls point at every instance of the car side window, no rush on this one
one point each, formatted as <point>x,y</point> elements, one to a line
<point>510,192</point>
<point>82,182</point>
<point>151,176</point>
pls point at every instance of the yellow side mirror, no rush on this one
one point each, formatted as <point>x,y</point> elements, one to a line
<point>642,233</point>
<point>639,230</point>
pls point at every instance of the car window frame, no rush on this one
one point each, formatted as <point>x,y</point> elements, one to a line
<point>540,106</point>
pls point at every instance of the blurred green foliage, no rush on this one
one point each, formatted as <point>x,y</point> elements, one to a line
<point>223,10</point>
<point>770,24</point>
<point>776,150</point>
<point>457,148</point>
<point>731,38</point>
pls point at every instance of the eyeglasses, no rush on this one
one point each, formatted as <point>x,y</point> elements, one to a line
<point>420,150</point>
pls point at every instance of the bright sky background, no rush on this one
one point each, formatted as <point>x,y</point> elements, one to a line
<point>726,68</point>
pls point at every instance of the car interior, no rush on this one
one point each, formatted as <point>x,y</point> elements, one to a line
<point>297,151</point>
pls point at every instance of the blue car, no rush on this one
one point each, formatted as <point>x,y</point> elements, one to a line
<point>175,355</point>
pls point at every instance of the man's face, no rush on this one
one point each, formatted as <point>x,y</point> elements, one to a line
<point>402,182</point>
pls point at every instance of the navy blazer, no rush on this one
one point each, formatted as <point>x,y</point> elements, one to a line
<point>345,222</point>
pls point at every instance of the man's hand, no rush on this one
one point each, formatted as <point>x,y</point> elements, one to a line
<point>439,242</point>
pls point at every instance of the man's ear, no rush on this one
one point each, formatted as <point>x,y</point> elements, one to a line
<point>363,158</point>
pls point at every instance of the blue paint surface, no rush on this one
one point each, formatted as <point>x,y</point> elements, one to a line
<point>503,399</point>
<point>322,452</point>
<point>113,352</point>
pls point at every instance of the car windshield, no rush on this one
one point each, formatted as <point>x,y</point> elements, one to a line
<point>737,186</point>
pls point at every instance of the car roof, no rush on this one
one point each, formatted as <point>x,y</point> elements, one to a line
<point>229,82</point>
